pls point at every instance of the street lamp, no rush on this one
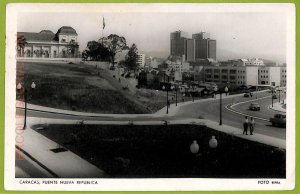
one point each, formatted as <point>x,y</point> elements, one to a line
<point>194,148</point>
<point>272,96</point>
<point>164,88</point>
<point>19,87</point>
<point>193,91</point>
<point>213,142</point>
<point>215,91</point>
<point>175,87</point>
<point>220,107</point>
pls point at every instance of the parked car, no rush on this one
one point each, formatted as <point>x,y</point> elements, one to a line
<point>243,87</point>
<point>274,96</point>
<point>254,106</point>
<point>278,120</point>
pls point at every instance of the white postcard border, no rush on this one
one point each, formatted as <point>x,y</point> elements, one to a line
<point>178,184</point>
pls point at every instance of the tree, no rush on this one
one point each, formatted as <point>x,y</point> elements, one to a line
<point>114,44</point>
<point>131,58</point>
<point>95,51</point>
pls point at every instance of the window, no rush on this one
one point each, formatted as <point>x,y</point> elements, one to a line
<point>232,71</point>
<point>216,77</point>
<point>232,77</point>
<point>216,70</point>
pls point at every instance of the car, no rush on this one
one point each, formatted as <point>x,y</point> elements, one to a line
<point>278,120</point>
<point>274,96</point>
<point>254,106</point>
<point>243,87</point>
<point>247,94</point>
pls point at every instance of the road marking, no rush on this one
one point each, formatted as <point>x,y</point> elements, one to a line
<point>250,100</point>
<point>229,107</point>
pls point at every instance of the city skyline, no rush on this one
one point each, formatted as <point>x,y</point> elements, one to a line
<point>239,35</point>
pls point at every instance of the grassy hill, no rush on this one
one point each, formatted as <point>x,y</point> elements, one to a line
<point>78,87</point>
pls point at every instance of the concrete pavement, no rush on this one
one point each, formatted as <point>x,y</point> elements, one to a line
<point>63,164</point>
<point>279,107</point>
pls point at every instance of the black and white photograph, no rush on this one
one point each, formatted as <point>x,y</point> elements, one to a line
<point>150,97</point>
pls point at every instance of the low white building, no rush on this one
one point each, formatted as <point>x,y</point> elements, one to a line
<point>46,44</point>
<point>245,75</point>
<point>283,76</point>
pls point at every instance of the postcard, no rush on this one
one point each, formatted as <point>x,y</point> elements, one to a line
<point>150,97</point>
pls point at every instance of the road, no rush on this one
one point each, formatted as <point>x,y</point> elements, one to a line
<point>199,109</point>
<point>211,110</point>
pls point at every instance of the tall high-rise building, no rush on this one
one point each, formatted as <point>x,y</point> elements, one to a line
<point>204,46</point>
<point>212,49</point>
<point>178,45</point>
<point>190,50</point>
<point>200,46</point>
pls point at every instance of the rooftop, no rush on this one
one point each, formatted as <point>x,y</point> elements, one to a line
<point>67,30</point>
<point>44,36</point>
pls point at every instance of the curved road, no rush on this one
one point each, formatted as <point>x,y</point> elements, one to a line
<point>211,110</point>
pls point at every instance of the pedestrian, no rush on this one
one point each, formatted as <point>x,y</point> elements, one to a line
<point>251,125</point>
<point>246,123</point>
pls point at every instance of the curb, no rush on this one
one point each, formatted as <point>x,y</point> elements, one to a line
<point>272,108</point>
<point>37,162</point>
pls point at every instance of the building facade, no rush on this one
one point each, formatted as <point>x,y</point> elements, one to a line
<point>141,59</point>
<point>283,76</point>
<point>244,75</point>
<point>200,46</point>
<point>46,44</point>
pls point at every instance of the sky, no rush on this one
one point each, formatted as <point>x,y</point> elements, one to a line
<point>238,35</point>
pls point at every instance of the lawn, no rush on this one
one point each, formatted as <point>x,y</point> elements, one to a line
<point>75,87</point>
<point>164,151</point>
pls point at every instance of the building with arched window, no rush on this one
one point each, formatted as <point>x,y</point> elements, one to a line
<point>46,44</point>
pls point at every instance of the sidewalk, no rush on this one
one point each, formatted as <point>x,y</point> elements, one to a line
<point>279,107</point>
<point>63,164</point>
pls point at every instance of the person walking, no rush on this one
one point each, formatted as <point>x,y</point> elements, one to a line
<point>246,123</point>
<point>251,125</point>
